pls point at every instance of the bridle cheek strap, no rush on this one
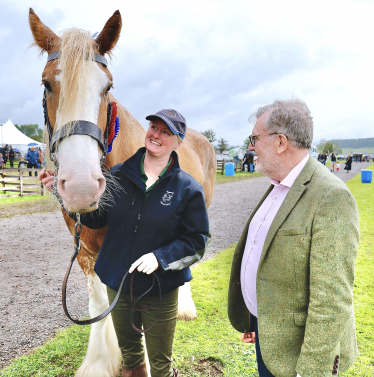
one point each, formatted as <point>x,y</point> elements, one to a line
<point>78,127</point>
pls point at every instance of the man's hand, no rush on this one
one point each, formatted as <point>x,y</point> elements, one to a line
<point>47,177</point>
<point>249,337</point>
<point>148,263</point>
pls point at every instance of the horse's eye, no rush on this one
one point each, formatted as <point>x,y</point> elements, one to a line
<point>108,89</point>
<point>47,86</point>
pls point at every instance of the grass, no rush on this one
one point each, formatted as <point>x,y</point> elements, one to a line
<point>211,338</point>
<point>240,176</point>
<point>364,282</point>
<point>369,150</point>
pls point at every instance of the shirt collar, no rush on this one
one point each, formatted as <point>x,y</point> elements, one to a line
<point>293,174</point>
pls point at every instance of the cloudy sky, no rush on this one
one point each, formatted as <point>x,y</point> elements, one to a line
<point>214,61</point>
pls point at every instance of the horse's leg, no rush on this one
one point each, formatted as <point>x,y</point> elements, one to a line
<point>103,354</point>
<point>186,306</point>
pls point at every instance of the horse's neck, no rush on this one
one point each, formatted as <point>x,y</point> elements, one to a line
<point>129,139</point>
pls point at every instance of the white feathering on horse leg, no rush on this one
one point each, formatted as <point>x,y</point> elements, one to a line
<point>186,305</point>
<point>103,355</point>
<point>146,357</point>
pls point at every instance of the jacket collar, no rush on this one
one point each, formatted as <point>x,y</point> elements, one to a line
<point>131,167</point>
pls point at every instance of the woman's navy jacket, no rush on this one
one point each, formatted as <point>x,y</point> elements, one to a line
<point>172,223</point>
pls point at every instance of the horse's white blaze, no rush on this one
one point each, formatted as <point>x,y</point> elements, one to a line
<point>103,355</point>
<point>81,182</point>
<point>186,305</point>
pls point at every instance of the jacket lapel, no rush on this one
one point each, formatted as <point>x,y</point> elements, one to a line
<point>289,203</point>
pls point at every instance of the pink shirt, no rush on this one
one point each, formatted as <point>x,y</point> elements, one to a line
<point>257,232</point>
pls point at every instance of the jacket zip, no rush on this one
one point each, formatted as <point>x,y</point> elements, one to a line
<point>133,253</point>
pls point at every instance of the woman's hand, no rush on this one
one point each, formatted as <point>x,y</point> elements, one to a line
<point>47,177</point>
<point>249,337</point>
<point>148,263</point>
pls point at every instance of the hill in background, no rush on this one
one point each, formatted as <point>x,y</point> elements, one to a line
<point>366,144</point>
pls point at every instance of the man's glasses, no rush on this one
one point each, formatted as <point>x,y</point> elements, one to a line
<point>252,138</point>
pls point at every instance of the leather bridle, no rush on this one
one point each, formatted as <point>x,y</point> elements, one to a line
<point>77,127</point>
<point>133,301</point>
<point>83,127</point>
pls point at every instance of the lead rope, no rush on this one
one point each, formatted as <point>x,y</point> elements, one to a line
<point>77,247</point>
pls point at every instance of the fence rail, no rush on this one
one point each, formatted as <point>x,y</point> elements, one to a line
<point>19,183</point>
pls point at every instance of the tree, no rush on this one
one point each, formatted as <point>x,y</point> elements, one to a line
<point>223,144</point>
<point>246,143</point>
<point>32,131</point>
<point>326,146</point>
<point>210,135</point>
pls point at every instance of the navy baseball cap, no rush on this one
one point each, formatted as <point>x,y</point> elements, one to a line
<point>173,119</point>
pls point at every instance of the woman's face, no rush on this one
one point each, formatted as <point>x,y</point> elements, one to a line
<point>159,139</point>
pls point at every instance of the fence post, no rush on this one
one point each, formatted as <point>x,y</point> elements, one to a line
<point>43,189</point>
<point>223,167</point>
<point>3,176</point>
<point>21,181</point>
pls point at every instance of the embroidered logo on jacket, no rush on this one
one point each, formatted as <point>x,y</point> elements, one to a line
<point>167,198</point>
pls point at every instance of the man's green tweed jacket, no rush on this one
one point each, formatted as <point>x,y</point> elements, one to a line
<point>305,279</point>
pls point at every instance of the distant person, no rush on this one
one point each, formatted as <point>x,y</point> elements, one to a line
<point>40,160</point>
<point>333,161</point>
<point>5,154</point>
<point>324,158</point>
<point>320,158</point>
<point>12,155</point>
<point>32,158</point>
<point>22,163</point>
<point>338,166</point>
<point>348,164</point>
<point>2,166</point>
<point>248,160</point>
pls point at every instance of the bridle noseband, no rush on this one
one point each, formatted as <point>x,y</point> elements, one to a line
<point>78,127</point>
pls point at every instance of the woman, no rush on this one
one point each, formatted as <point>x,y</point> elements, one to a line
<point>158,222</point>
<point>348,164</point>
<point>333,161</point>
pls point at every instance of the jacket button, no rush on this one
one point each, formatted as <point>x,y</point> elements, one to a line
<point>334,372</point>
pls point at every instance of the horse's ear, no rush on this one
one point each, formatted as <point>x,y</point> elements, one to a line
<point>44,37</point>
<point>108,37</point>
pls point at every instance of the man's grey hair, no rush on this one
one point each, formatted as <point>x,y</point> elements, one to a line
<point>291,118</point>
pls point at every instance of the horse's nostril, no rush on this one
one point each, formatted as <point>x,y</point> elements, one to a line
<point>93,204</point>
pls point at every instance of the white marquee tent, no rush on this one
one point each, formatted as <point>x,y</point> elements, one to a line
<point>9,134</point>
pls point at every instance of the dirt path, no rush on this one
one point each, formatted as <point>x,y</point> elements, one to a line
<point>35,250</point>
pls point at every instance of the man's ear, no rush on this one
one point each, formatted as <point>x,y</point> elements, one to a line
<point>282,143</point>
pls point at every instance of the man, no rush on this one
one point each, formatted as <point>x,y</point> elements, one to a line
<point>5,153</point>
<point>32,158</point>
<point>248,160</point>
<point>12,154</point>
<point>293,267</point>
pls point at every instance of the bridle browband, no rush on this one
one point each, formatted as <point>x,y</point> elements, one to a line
<point>78,127</point>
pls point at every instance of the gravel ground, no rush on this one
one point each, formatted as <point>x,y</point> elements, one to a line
<point>35,251</point>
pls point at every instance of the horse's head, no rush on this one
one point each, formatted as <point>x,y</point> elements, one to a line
<point>77,83</point>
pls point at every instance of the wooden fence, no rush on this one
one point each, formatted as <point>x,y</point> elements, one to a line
<point>18,183</point>
<point>221,166</point>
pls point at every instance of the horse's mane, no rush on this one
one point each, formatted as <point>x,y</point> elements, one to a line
<point>76,53</point>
